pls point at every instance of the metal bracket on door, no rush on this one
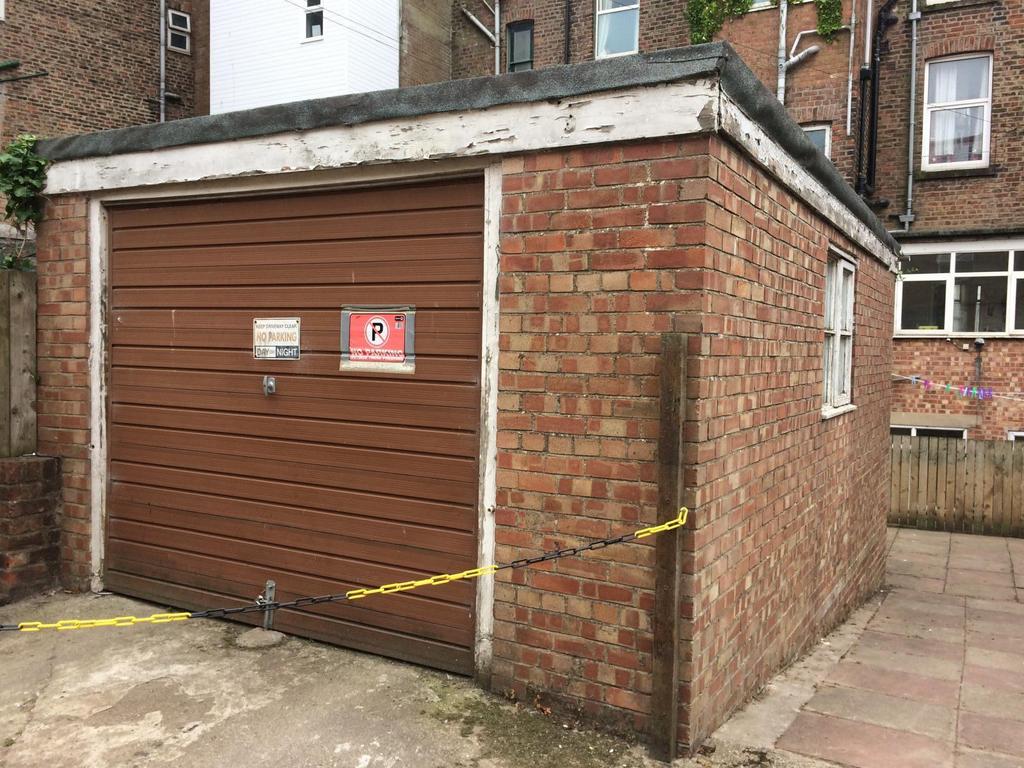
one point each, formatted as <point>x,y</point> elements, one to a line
<point>269,385</point>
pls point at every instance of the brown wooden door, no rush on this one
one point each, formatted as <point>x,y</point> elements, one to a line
<point>338,480</point>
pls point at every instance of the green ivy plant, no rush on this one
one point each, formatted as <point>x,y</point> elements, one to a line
<point>830,17</point>
<point>706,17</point>
<point>22,179</point>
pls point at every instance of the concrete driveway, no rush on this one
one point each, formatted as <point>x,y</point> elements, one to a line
<point>929,674</point>
<point>186,694</point>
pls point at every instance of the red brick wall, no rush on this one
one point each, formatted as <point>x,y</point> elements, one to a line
<point>426,35</point>
<point>790,507</point>
<point>946,363</point>
<point>63,370</point>
<point>602,250</point>
<point>102,59</point>
<point>29,508</point>
<point>597,253</point>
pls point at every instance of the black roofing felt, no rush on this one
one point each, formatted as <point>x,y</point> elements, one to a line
<point>679,64</point>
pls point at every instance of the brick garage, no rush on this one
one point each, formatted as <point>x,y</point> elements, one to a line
<point>657,205</point>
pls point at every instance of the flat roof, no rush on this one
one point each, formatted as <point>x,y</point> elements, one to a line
<point>710,60</point>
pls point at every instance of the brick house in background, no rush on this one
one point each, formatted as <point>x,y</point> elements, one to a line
<point>85,65</point>
<point>952,194</point>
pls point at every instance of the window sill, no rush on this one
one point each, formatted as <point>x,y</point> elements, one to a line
<point>957,173</point>
<point>965,335</point>
<point>830,412</point>
<point>602,57</point>
<point>954,5</point>
<point>313,39</point>
<point>774,6</point>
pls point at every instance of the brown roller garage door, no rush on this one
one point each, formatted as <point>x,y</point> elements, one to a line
<point>340,479</point>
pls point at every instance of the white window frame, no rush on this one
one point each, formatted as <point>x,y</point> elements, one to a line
<point>837,378</point>
<point>3,9</point>
<point>173,28</point>
<point>598,13</point>
<point>1014,436</point>
<point>1015,250</point>
<point>985,102</point>
<point>827,128</point>
<point>913,430</point>
<point>317,8</point>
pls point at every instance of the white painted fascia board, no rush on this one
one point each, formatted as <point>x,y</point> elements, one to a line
<point>670,109</point>
<point>784,167</point>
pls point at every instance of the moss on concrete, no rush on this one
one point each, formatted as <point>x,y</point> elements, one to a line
<point>526,737</point>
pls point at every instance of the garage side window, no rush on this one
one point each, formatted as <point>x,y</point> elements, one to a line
<point>840,281</point>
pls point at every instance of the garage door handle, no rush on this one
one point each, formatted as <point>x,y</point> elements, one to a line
<point>269,385</point>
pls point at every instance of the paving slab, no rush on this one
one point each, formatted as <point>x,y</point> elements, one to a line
<point>881,709</point>
<point>996,606</point>
<point>995,734</point>
<point>893,627</point>
<point>990,641</point>
<point>903,662</point>
<point>993,677</point>
<point>968,758</point>
<point>898,567</point>
<point>980,563</point>
<point>922,615</point>
<point>916,646</point>
<point>990,578</point>
<point>992,701</point>
<point>1006,662</point>
<point>917,583</point>
<point>981,590</point>
<point>862,744</point>
<point>904,684</point>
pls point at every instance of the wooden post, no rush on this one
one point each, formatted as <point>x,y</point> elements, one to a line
<point>17,363</point>
<point>667,559</point>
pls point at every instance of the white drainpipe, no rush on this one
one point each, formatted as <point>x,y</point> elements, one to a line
<point>163,61</point>
<point>497,37</point>
<point>907,218</point>
<point>849,73</point>
<point>780,90</point>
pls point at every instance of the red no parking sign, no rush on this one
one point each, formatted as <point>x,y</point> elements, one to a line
<point>378,339</point>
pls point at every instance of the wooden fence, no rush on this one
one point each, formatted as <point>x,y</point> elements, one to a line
<point>950,484</point>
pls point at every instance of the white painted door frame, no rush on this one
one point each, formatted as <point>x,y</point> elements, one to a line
<point>99,259</point>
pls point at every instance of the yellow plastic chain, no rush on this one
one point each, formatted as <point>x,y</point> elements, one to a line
<point>120,621</point>
<point>355,594</point>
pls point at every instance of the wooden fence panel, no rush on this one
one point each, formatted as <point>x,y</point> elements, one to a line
<point>957,485</point>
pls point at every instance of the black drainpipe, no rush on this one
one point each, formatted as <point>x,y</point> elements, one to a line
<point>568,31</point>
<point>886,19</point>
<point>865,76</point>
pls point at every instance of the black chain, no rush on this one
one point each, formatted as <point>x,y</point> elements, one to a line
<point>262,606</point>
